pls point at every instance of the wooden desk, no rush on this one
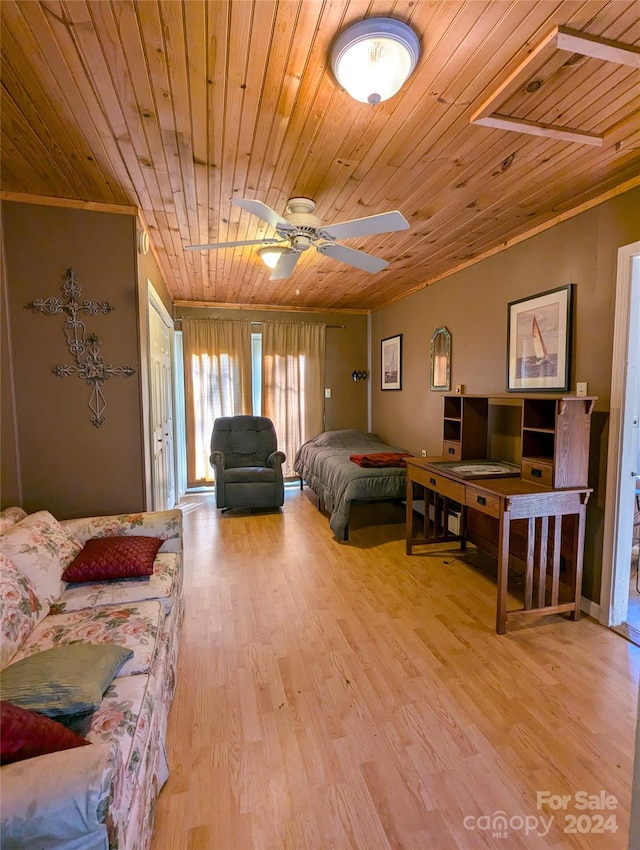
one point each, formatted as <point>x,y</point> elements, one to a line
<point>506,499</point>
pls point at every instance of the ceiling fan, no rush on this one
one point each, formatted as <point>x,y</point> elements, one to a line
<point>299,229</point>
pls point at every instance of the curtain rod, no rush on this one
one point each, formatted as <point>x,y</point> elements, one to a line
<point>205,319</point>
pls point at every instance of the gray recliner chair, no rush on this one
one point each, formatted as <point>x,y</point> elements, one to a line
<point>248,469</point>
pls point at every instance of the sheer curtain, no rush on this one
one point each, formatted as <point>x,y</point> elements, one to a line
<point>217,381</point>
<point>293,358</point>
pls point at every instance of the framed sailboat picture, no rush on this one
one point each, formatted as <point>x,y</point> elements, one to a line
<point>391,362</point>
<point>539,330</point>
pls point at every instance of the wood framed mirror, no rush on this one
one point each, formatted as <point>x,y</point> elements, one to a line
<point>441,359</point>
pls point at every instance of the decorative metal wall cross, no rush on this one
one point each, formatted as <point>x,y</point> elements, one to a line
<point>90,365</point>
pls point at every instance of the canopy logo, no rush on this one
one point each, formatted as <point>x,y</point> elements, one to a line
<point>499,824</point>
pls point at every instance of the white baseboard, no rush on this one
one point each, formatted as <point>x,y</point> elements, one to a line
<point>587,606</point>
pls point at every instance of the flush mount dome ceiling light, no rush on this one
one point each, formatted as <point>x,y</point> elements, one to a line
<point>372,59</point>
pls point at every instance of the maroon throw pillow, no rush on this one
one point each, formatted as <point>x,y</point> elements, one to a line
<point>25,734</point>
<point>108,558</point>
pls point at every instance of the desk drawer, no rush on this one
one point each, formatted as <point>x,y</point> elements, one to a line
<point>451,449</point>
<point>539,471</point>
<point>487,503</point>
<point>452,489</point>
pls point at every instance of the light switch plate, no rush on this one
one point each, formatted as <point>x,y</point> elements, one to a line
<point>581,389</point>
<point>327,392</point>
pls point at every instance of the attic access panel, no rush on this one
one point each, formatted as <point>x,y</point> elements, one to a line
<point>540,66</point>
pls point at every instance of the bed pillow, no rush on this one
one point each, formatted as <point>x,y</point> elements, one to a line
<point>20,609</point>
<point>9,517</point>
<point>41,548</point>
<point>25,734</point>
<point>108,558</point>
<point>66,681</point>
<point>340,439</point>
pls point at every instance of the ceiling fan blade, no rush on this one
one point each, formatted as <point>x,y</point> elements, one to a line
<point>264,212</point>
<point>211,245</point>
<point>366,262</point>
<point>285,265</point>
<point>382,223</point>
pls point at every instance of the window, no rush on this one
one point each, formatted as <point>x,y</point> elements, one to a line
<point>256,373</point>
<point>232,370</point>
<point>218,382</point>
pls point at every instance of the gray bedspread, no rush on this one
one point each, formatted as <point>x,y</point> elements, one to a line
<point>324,464</point>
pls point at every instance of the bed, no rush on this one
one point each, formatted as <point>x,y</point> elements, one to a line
<point>325,464</point>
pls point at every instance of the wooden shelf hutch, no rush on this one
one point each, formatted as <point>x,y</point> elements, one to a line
<point>530,518</point>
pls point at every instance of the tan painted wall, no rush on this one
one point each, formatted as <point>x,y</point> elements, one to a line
<point>10,488</point>
<point>472,304</point>
<point>66,464</point>
<point>346,351</point>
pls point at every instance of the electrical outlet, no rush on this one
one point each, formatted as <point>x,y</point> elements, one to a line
<point>327,392</point>
<point>581,388</point>
<point>423,452</point>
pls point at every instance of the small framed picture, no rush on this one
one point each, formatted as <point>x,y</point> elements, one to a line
<point>391,362</point>
<point>539,332</point>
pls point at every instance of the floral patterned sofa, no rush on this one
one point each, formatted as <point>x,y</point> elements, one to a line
<point>98,797</point>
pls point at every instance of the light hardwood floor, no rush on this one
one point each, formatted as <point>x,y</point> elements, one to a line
<point>347,696</point>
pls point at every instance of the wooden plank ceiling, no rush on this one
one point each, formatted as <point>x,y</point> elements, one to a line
<point>176,107</point>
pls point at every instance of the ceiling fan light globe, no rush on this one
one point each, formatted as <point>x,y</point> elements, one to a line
<point>372,59</point>
<point>271,254</point>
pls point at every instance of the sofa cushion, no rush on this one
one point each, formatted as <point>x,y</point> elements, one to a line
<point>25,734</point>
<point>19,609</point>
<point>65,681</point>
<point>135,627</point>
<point>9,517</point>
<point>41,548</point>
<point>167,525</point>
<point>130,719</point>
<point>58,800</point>
<point>109,558</point>
<point>164,585</point>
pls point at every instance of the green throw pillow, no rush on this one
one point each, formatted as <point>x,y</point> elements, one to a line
<point>63,681</point>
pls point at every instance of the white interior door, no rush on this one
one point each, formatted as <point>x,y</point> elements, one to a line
<point>623,440</point>
<point>161,409</point>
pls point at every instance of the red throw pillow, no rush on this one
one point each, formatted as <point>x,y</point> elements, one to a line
<point>108,558</point>
<point>25,734</point>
